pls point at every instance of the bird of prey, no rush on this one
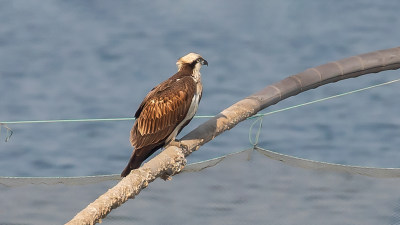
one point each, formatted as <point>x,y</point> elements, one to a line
<point>165,110</point>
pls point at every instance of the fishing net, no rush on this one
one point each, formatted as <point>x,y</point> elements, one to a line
<point>246,187</point>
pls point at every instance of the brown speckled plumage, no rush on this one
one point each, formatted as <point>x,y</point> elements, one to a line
<point>164,109</point>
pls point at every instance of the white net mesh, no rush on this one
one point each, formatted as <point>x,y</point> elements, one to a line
<point>240,188</point>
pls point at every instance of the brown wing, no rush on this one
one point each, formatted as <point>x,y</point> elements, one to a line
<point>161,111</point>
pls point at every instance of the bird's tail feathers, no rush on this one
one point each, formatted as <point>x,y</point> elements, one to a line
<point>138,156</point>
<point>133,164</point>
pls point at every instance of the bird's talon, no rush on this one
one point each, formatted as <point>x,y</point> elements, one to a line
<point>184,147</point>
<point>179,145</point>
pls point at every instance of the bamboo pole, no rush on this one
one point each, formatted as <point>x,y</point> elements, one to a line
<point>172,159</point>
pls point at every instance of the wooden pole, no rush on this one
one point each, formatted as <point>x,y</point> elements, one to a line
<point>172,159</point>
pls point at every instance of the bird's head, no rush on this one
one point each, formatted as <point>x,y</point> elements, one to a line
<point>192,60</point>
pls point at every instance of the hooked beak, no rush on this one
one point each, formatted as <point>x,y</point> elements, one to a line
<point>204,62</point>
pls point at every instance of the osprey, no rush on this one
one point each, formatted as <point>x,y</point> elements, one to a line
<point>165,110</point>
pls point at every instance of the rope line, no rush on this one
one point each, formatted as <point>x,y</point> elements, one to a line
<point>205,116</point>
<point>254,142</point>
<point>68,120</point>
<point>324,99</point>
<point>375,172</point>
<point>10,132</point>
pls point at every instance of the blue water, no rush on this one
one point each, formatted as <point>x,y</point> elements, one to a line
<point>98,59</point>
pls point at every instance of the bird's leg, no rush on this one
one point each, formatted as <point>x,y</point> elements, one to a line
<point>179,144</point>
